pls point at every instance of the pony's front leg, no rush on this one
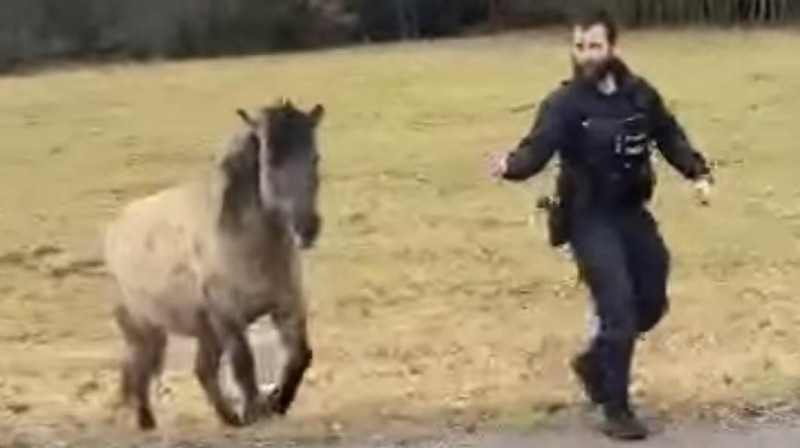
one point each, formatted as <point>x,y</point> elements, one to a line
<point>207,365</point>
<point>244,371</point>
<point>294,339</point>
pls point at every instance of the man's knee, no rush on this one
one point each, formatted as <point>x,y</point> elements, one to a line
<point>616,322</point>
<point>651,313</point>
<point>618,333</point>
<point>615,303</point>
<point>652,301</point>
<point>651,272</point>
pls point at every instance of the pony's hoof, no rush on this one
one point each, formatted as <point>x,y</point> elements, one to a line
<point>251,413</point>
<point>229,418</point>
<point>233,421</point>
<point>146,421</point>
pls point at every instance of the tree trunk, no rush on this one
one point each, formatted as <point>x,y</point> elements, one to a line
<point>414,27</point>
<point>659,12</point>
<point>455,14</point>
<point>494,15</point>
<point>730,8</point>
<point>402,21</point>
<point>783,10</point>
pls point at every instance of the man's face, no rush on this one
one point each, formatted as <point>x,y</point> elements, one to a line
<point>591,51</point>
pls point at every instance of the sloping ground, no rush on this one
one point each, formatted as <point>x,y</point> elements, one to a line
<point>432,297</point>
<point>773,437</point>
<point>574,434</point>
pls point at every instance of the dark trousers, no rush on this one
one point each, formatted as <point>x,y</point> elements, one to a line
<point>624,261</point>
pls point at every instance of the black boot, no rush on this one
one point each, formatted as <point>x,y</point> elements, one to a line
<point>621,423</point>
<point>585,368</point>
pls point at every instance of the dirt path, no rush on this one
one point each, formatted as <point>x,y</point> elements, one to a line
<point>769,437</point>
<point>574,431</point>
<point>782,435</point>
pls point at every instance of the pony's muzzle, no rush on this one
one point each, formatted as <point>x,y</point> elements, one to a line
<point>308,229</point>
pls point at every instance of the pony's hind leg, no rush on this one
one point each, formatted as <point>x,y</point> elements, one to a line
<point>294,338</point>
<point>207,365</point>
<point>144,358</point>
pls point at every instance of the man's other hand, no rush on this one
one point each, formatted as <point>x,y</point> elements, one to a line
<point>498,165</point>
<point>702,189</point>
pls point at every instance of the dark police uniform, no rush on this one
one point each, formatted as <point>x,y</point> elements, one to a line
<point>604,143</point>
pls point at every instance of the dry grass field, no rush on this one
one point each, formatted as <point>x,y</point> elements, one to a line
<point>432,295</point>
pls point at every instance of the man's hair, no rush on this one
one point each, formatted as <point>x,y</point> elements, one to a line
<point>589,18</point>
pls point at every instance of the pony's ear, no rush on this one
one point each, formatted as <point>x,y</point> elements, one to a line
<point>246,117</point>
<point>317,114</point>
<point>256,130</point>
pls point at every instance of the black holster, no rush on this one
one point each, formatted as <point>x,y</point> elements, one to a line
<point>557,219</point>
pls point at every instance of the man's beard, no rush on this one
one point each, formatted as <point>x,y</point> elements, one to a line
<point>593,72</point>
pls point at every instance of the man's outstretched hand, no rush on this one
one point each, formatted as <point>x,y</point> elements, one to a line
<point>702,189</point>
<point>498,165</point>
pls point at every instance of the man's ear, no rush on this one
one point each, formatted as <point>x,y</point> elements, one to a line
<point>317,113</point>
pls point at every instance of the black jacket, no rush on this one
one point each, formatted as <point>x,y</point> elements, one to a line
<point>604,142</point>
